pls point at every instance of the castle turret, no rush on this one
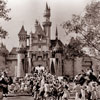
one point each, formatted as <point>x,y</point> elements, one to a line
<point>21,53</point>
<point>47,24</point>
<point>22,37</point>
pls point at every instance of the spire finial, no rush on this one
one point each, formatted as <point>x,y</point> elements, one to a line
<point>56,33</point>
<point>22,29</point>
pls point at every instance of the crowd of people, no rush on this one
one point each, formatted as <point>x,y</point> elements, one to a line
<point>42,85</point>
<point>45,86</point>
<point>87,86</point>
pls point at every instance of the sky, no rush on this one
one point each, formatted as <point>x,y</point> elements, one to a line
<point>25,12</point>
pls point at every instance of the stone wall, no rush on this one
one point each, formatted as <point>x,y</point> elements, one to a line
<point>96,66</point>
<point>2,62</point>
<point>67,68</point>
<point>77,65</point>
<point>11,67</point>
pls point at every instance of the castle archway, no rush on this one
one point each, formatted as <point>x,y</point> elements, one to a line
<point>39,68</point>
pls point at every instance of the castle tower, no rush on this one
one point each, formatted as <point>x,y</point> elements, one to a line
<point>20,62</point>
<point>47,24</point>
<point>21,53</point>
<point>22,38</point>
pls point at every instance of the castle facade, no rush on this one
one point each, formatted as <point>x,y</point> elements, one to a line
<point>37,49</point>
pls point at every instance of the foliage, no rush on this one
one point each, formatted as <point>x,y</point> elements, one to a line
<point>4,15</point>
<point>73,49</point>
<point>87,27</point>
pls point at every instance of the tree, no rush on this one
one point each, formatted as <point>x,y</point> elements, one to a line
<point>73,49</point>
<point>4,15</point>
<point>87,27</point>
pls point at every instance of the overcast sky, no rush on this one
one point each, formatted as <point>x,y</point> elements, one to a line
<point>25,12</point>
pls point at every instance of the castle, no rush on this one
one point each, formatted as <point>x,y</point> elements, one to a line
<point>41,51</point>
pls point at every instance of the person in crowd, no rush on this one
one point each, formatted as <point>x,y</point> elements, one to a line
<point>60,90</point>
<point>83,88</point>
<point>94,93</point>
<point>98,91</point>
<point>11,88</point>
<point>46,89</point>
<point>31,84</point>
<point>88,91</point>
<point>16,87</point>
<point>78,94</point>
<point>37,90</point>
<point>1,87</point>
<point>66,93</point>
<point>22,86</point>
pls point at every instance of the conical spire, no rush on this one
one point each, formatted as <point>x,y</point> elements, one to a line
<point>22,31</point>
<point>47,6</point>
<point>47,11</point>
<point>56,33</point>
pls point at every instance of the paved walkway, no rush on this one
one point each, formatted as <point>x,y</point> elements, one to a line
<point>23,98</point>
<point>19,98</point>
<point>28,97</point>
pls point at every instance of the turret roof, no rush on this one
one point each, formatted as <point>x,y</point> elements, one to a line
<point>13,51</point>
<point>47,8</point>
<point>22,31</point>
<point>56,43</point>
<point>57,47</point>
